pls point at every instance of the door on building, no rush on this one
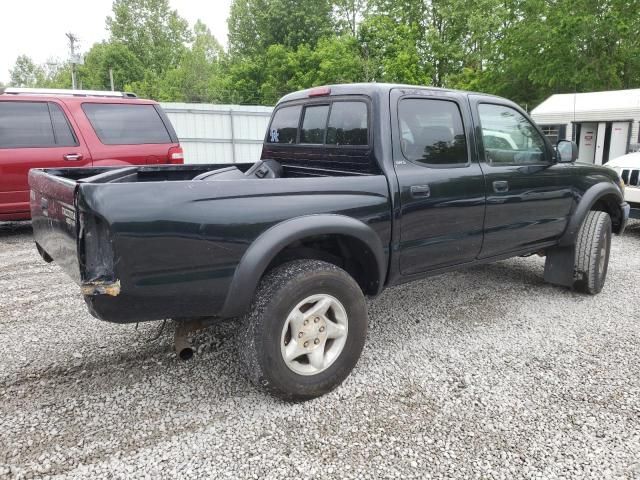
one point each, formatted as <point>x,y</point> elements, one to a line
<point>602,141</point>
<point>619,144</point>
<point>587,136</point>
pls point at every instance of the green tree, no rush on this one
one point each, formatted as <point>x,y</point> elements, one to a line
<point>57,74</point>
<point>391,52</point>
<point>25,73</point>
<point>190,81</point>
<point>280,70</point>
<point>151,30</point>
<point>115,56</point>
<point>554,46</point>
<point>255,25</point>
<point>348,14</point>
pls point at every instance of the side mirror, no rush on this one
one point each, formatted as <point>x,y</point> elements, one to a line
<point>567,151</point>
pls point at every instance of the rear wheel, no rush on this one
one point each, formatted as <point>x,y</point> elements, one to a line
<point>593,245</point>
<point>305,331</point>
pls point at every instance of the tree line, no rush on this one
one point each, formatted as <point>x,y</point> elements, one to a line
<point>525,50</point>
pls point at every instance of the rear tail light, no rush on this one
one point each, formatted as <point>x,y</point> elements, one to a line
<point>176,155</point>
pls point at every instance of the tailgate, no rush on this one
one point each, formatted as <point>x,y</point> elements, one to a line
<point>54,219</point>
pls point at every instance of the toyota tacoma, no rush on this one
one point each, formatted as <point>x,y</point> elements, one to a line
<point>359,187</point>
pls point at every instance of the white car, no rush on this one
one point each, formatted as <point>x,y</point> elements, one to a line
<point>499,140</point>
<point>628,167</point>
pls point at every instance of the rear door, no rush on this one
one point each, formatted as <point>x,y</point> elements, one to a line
<point>33,134</point>
<point>131,133</point>
<point>442,190</point>
<point>529,196</point>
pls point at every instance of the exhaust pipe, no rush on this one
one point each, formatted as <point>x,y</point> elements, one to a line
<point>182,342</point>
<point>184,328</point>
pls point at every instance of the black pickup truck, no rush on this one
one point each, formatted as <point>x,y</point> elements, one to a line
<point>360,187</point>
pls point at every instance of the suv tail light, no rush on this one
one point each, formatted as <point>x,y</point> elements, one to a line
<point>176,155</point>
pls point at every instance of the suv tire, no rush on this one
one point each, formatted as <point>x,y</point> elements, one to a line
<point>305,330</point>
<point>593,246</point>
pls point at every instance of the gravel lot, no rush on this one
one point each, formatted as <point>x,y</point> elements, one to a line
<point>486,373</point>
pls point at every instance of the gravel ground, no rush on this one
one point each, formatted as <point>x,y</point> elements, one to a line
<point>484,373</point>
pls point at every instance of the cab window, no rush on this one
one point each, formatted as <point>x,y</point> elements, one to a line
<point>508,137</point>
<point>432,132</point>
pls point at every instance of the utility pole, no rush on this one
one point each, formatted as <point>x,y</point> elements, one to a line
<point>111,78</point>
<point>72,46</point>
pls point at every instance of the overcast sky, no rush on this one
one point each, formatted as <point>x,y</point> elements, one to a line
<point>37,27</point>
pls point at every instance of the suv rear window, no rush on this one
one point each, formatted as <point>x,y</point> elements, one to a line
<point>121,124</point>
<point>34,124</point>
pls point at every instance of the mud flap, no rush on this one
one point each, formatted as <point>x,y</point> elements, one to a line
<point>559,268</point>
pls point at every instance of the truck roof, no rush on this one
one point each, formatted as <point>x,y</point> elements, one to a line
<point>369,89</point>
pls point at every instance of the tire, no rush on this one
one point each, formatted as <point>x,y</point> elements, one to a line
<point>593,246</point>
<point>280,325</point>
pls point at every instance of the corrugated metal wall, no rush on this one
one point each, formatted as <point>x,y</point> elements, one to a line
<point>219,133</point>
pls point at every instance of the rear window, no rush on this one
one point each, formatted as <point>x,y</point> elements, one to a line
<point>284,126</point>
<point>347,124</point>
<point>121,124</point>
<point>314,124</point>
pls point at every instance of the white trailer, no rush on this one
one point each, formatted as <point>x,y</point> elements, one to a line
<point>603,124</point>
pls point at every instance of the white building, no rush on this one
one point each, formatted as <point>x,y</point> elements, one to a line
<point>603,124</point>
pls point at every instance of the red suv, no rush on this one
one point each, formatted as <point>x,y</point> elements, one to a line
<point>75,128</point>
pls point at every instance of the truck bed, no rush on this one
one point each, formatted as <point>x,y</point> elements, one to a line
<point>149,242</point>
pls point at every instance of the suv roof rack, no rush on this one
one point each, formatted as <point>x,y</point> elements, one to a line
<point>61,91</point>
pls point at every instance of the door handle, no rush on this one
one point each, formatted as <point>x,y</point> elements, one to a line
<point>73,157</point>
<point>420,191</point>
<point>500,186</point>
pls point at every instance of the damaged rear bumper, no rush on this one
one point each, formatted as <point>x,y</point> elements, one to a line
<point>101,288</point>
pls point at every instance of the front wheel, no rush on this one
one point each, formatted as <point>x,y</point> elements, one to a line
<point>305,331</point>
<point>593,245</point>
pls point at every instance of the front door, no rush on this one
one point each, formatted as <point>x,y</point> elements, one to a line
<point>529,196</point>
<point>441,186</point>
<point>33,135</point>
